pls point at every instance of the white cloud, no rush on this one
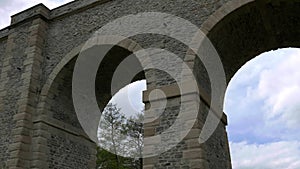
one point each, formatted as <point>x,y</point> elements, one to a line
<point>265,156</point>
<point>129,98</point>
<point>280,89</point>
<point>252,69</point>
<point>264,103</point>
<point>11,7</point>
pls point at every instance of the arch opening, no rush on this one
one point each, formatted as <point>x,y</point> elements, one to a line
<point>241,30</point>
<point>121,129</point>
<point>262,102</point>
<point>66,135</point>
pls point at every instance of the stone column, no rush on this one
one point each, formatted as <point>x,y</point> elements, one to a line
<point>20,150</point>
<point>188,153</point>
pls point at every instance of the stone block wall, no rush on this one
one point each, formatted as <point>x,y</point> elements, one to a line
<point>13,58</point>
<point>41,128</point>
<point>5,118</point>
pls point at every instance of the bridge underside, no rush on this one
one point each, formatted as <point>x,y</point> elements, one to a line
<point>38,51</point>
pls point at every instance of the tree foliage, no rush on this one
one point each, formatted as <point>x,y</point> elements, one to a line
<point>119,136</point>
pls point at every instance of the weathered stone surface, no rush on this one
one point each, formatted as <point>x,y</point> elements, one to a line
<point>39,127</point>
<point>14,56</point>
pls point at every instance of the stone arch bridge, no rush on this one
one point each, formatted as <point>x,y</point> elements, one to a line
<point>38,51</point>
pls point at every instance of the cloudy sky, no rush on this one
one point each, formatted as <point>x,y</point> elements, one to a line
<point>129,98</point>
<point>263,107</point>
<point>262,103</point>
<point>11,7</point>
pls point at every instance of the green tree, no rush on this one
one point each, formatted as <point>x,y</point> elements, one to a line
<point>119,136</point>
<point>135,131</point>
<point>110,137</point>
<point>107,160</point>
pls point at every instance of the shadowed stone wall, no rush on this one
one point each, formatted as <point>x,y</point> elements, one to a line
<point>39,127</point>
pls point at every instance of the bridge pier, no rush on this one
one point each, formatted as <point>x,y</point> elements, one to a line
<point>38,51</point>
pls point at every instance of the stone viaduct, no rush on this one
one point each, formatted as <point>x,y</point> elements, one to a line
<point>39,128</point>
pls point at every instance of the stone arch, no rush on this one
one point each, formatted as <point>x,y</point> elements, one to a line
<point>128,44</point>
<point>56,115</point>
<point>241,30</point>
<point>217,29</point>
<point>221,13</point>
